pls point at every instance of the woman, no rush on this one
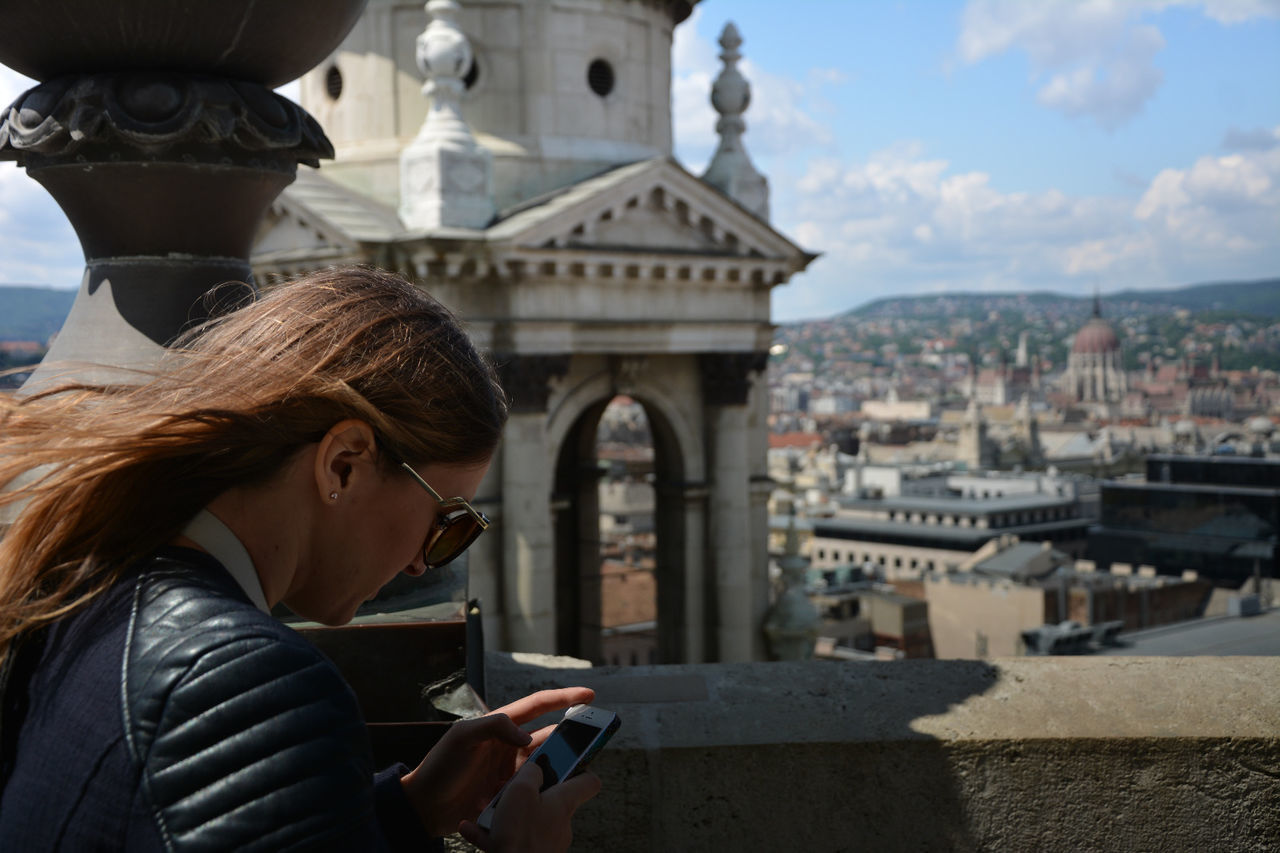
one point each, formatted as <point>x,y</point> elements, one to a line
<point>303,449</point>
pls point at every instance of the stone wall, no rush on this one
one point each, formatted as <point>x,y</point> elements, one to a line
<point>1038,754</point>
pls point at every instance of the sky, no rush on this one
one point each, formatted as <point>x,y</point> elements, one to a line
<point>929,146</point>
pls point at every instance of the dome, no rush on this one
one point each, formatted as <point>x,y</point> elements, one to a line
<point>1097,336</point>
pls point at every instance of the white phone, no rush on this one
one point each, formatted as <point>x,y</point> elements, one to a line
<point>568,749</point>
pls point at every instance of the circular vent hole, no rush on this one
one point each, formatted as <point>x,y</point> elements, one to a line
<point>333,82</point>
<point>600,77</point>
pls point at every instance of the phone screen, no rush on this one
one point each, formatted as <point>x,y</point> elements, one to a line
<point>561,750</point>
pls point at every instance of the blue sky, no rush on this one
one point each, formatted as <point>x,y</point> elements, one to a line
<point>1062,145</point>
<point>944,145</point>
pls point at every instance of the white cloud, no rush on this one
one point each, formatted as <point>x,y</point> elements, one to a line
<point>1219,203</point>
<point>1091,59</point>
<point>1111,90</point>
<point>906,218</point>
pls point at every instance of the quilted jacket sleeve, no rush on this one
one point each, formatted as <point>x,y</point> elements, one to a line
<point>246,736</point>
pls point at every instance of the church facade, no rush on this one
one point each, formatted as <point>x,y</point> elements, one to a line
<point>533,190</point>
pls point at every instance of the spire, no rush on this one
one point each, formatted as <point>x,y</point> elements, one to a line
<point>446,177</point>
<point>731,170</point>
<point>1097,303</point>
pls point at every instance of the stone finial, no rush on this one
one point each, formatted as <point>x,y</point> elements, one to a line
<point>731,170</point>
<point>446,176</point>
<point>793,622</point>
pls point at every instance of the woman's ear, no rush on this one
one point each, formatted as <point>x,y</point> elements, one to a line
<point>346,444</point>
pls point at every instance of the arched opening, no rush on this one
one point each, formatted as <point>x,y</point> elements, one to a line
<point>619,534</point>
<point>628,536</point>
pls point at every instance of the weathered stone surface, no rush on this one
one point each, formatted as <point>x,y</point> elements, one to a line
<point>1016,754</point>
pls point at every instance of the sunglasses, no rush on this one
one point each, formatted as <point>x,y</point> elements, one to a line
<point>458,524</point>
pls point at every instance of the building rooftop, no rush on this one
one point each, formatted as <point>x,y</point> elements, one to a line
<point>1215,636</point>
<point>961,504</point>
<point>1014,561</point>
<point>967,537</point>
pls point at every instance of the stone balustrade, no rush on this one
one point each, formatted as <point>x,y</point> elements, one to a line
<point>1017,754</point>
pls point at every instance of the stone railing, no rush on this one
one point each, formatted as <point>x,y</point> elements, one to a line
<point>1017,755</point>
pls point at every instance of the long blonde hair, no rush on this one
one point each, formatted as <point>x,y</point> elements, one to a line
<point>116,472</point>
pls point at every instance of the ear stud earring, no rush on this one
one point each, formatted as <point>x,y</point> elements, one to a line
<point>333,496</point>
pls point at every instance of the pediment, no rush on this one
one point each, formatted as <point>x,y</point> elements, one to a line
<point>316,215</point>
<point>284,230</point>
<point>653,206</point>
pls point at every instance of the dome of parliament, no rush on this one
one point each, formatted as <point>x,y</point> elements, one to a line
<point>1096,336</point>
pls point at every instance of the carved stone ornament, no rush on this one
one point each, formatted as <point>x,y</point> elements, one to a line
<point>731,170</point>
<point>526,379</point>
<point>628,372</point>
<point>140,116</point>
<point>726,376</point>
<point>446,176</point>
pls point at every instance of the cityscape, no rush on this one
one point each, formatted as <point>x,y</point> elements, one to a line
<point>968,416</point>
<point>901,414</point>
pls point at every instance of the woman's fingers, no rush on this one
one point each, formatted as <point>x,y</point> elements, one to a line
<point>496,726</point>
<point>573,792</point>
<point>545,701</point>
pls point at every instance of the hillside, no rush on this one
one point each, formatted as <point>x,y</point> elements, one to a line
<point>32,313</point>
<point>1260,299</point>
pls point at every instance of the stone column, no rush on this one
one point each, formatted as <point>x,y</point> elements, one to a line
<point>725,386</point>
<point>528,545</point>
<point>682,592</point>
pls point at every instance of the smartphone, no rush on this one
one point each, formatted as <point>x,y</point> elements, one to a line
<point>568,750</point>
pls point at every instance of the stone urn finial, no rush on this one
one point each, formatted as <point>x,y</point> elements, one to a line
<point>792,624</point>
<point>155,128</point>
<point>446,176</point>
<point>731,170</point>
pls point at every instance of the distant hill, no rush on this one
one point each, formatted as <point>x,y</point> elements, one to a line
<point>32,313</point>
<point>1259,298</point>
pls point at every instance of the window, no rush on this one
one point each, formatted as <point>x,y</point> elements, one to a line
<point>333,83</point>
<point>600,77</point>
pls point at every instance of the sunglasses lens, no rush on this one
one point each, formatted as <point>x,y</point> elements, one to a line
<point>459,532</point>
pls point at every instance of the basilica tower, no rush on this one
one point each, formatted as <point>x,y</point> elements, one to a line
<point>556,91</point>
<point>514,158</point>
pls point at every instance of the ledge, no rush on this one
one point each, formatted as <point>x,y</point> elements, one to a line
<point>1017,754</point>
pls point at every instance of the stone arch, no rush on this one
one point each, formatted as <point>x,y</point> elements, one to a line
<point>571,433</point>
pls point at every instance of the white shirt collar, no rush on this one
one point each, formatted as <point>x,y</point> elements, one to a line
<point>208,531</point>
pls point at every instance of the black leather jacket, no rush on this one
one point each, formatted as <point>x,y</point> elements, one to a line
<point>228,732</point>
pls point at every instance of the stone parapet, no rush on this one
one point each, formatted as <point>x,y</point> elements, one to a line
<point>1014,754</point>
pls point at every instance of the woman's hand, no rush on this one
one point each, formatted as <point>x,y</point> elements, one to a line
<point>475,757</point>
<point>528,820</point>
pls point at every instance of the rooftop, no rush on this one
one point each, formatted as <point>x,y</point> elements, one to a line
<point>969,537</point>
<point>961,503</point>
<point>1224,635</point>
